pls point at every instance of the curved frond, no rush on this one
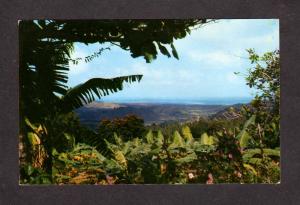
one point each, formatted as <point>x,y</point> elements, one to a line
<point>85,93</point>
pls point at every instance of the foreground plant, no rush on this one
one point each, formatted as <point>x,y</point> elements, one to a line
<point>176,159</point>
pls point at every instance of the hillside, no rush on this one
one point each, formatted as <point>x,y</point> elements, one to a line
<point>91,114</point>
<point>227,112</point>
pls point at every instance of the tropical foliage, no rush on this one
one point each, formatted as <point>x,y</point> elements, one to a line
<point>56,148</point>
<point>179,158</point>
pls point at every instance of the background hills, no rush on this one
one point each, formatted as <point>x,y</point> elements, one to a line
<point>91,114</point>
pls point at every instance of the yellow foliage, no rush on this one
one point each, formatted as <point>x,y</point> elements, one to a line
<point>120,157</point>
<point>187,134</point>
<point>78,158</point>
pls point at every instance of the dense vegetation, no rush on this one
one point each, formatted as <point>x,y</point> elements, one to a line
<point>56,148</point>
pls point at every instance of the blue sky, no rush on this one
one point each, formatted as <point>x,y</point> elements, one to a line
<point>208,58</point>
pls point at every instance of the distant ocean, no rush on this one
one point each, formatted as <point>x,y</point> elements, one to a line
<point>200,101</point>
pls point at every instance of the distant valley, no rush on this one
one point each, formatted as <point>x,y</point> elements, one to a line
<point>157,113</point>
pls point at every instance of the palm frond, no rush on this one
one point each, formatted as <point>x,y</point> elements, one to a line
<point>85,93</point>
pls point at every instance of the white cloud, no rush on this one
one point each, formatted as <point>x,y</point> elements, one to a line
<point>233,36</point>
<point>168,76</point>
<point>218,59</point>
<point>232,28</point>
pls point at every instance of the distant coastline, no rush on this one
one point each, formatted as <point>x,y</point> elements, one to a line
<point>178,101</point>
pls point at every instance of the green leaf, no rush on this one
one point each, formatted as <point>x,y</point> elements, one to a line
<point>160,138</point>
<point>33,127</point>
<point>149,137</point>
<point>250,121</point>
<point>63,156</point>
<point>272,152</point>
<point>204,138</point>
<point>118,139</point>
<point>29,170</point>
<point>244,139</point>
<point>250,168</point>
<point>273,125</point>
<point>126,147</point>
<point>112,147</point>
<point>174,52</point>
<point>119,156</point>
<point>33,138</point>
<point>70,139</point>
<point>54,152</point>
<point>255,161</point>
<point>45,180</point>
<point>164,50</point>
<point>187,159</point>
<point>250,155</point>
<point>187,134</point>
<point>207,140</point>
<point>83,93</point>
<point>201,148</point>
<point>177,140</point>
<point>148,57</point>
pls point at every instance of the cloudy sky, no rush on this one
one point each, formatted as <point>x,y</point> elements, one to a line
<point>208,59</point>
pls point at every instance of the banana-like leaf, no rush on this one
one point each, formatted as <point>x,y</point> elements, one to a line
<point>149,137</point>
<point>160,138</point>
<point>244,137</point>
<point>33,138</point>
<point>187,159</point>
<point>249,122</point>
<point>29,170</point>
<point>84,93</point>
<point>70,139</point>
<point>255,161</point>
<point>207,140</point>
<point>126,148</point>
<point>204,138</point>
<point>27,121</point>
<point>119,156</point>
<point>177,141</point>
<point>250,168</point>
<point>251,155</point>
<point>136,142</point>
<point>201,148</point>
<point>187,134</point>
<point>112,147</point>
<point>118,139</point>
